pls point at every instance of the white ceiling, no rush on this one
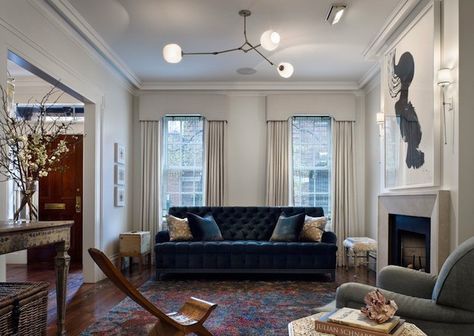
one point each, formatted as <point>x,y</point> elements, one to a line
<point>137,30</point>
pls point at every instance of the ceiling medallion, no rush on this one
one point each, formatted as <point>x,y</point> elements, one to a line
<point>172,53</point>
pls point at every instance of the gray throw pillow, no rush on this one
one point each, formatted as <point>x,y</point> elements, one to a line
<point>288,229</point>
<point>204,228</point>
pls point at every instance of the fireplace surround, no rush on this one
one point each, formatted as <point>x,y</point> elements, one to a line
<point>434,206</point>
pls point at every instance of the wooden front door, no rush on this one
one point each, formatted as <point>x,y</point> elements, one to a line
<point>60,198</point>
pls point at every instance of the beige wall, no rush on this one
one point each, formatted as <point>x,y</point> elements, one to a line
<point>247,114</point>
<point>247,150</point>
<point>450,151</point>
<point>457,164</point>
<point>465,197</point>
<point>373,159</point>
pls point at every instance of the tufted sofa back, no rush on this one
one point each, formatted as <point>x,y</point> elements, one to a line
<point>246,223</point>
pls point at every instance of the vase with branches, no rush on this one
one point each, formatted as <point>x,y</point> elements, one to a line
<point>31,148</point>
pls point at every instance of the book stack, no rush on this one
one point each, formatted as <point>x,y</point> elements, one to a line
<point>351,322</point>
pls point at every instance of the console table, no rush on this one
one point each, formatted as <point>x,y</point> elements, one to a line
<point>17,236</point>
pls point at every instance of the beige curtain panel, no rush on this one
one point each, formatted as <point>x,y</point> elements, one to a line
<point>216,163</point>
<point>344,211</point>
<point>150,214</point>
<point>278,163</point>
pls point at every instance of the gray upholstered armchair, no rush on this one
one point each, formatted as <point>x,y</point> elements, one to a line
<point>439,305</point>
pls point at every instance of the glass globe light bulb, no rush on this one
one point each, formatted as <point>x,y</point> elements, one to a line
<point>285,70</point>
<point>172,53</point>
<point>270,40</point>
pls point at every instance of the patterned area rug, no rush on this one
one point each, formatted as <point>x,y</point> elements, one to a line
<point>262,308</point>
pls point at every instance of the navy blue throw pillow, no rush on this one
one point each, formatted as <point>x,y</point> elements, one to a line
<point>204,228</point>
<point>288,229</point>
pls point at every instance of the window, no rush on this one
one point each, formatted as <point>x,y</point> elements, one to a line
<point>183,162</point>
<point>311,150</point>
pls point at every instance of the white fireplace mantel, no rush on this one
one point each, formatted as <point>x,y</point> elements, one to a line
<point>430,204</point>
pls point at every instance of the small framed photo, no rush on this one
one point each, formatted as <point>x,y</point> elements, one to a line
<point>119,175</point>
<point>119,153</point>
<point>119,197</point>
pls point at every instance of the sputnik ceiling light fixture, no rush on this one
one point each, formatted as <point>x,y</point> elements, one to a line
<point>172,53</point>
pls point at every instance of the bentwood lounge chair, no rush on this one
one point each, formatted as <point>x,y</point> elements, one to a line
<point>189,319</point>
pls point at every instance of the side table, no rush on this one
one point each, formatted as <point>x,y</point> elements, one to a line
<point>135,244</point>
<point>305,327</point>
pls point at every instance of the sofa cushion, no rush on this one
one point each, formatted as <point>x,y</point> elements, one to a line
<point>204,228</point>
<point>179,228</point>
<point>288,229</point>
<point>245,254</point>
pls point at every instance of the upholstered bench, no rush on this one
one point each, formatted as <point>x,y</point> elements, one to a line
<point>246,247</point>
<point>359,248</point>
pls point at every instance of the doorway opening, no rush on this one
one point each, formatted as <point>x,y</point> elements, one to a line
<point>59,194</point>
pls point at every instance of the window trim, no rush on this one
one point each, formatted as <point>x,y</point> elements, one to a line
<point>329,169</point>
<point>163,158</point>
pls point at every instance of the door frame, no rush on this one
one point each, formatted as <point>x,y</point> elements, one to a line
<point>93,98</point>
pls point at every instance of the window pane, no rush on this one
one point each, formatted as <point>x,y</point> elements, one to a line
<point>183,157</point>
<point>311,142</point>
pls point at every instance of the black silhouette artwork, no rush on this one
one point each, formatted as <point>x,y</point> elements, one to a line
<point>400,77</point>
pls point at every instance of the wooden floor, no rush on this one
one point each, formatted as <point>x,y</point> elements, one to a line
<point>87,303</point>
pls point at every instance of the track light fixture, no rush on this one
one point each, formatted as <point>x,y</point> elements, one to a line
<point>269,40</point>
<point>335,13</point>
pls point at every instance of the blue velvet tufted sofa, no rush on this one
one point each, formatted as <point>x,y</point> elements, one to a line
<point>246,247</point>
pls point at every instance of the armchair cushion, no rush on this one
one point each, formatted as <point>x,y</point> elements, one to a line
<point>406,281</point>
<point>454,285</point>
<point>411,308</point>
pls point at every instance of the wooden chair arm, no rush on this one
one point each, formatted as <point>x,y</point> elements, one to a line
<point>197,309</point>
<point>125,286</point>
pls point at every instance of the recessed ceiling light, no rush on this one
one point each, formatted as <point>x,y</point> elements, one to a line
<point>246,71</point>
<point>335,13</point>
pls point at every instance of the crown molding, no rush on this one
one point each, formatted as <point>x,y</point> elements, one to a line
<point>249,86</point>
<point>369,75</point>
<point>398,15</point>
<point>65,10</point>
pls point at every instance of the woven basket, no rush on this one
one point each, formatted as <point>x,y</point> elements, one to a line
<point>23,308</point>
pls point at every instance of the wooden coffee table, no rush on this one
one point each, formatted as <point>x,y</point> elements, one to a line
<point>305,327</point>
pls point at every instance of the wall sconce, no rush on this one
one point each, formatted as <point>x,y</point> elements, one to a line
<point>445,78</point>
<point>380,121</point>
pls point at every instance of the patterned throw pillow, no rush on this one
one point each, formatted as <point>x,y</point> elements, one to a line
<point>313,229</point>
<point>179,229</point>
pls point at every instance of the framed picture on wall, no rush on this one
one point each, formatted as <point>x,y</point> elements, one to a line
<point>119,174</point>
<point>119,196</point>
<point>411,104</point>
<point>119,153</point>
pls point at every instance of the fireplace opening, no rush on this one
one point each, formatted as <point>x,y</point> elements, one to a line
<point>409,242</point>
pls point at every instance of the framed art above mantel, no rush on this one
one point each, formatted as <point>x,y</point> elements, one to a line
<point>411,104</point>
